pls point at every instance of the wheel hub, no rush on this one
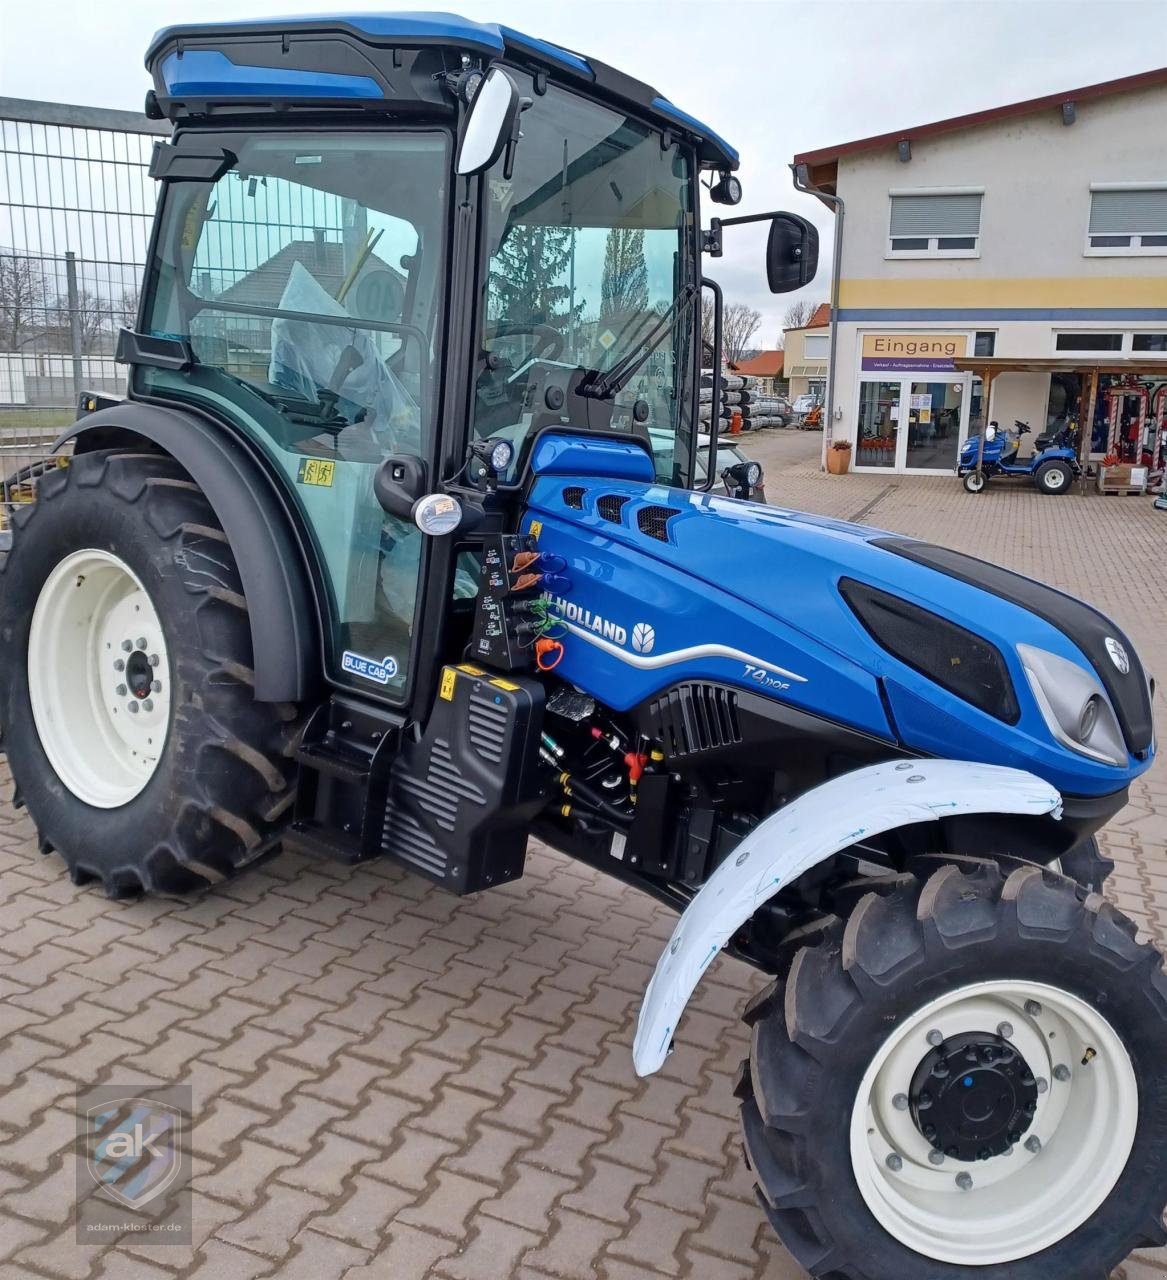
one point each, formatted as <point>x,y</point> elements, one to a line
<point>973,1097</point>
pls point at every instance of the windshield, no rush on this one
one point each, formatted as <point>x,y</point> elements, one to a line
<point>589,243</point>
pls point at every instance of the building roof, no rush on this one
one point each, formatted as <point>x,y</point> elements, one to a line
<point>766,364</point>
<point>820,318</point>
<point>823,162</point>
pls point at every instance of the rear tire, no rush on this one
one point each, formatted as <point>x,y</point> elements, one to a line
<point>904,961</point>
<point>1054,477</point>
<point>219,788</point>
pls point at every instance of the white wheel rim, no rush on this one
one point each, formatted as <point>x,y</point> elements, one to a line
<point>976,483</point>
<point>1022,1202</point>
<point>1054,478</point>
<point>102,709</point>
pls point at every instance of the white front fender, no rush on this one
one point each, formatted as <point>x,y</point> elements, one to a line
<point>808,830</point>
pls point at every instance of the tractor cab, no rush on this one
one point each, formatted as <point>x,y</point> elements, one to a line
<point>385,240</point>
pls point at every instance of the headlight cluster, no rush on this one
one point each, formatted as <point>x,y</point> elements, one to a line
<point>1074,705</point>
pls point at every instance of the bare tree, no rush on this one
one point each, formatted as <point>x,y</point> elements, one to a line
<point>125,313</point>
<point>93,316</point>
<point>706,320</point>
<point>22,295</point>
<point>739,323</point>
<point>798,313</point>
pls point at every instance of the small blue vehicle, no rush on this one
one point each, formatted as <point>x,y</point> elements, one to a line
<point>405,544</point>
<point>1052,466</point>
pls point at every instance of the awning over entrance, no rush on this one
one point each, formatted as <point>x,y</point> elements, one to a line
<point>1088,368</point>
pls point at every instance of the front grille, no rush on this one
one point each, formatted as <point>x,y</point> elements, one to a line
<point>696,717</point>
<point>573,497</point>
<point>653,522</point>
<point>610,506</point>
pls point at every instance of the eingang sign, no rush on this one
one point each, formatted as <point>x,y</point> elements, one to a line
<point>908,352</point>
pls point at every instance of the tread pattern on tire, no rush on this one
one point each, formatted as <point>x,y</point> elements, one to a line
<point>239,782</point>
<point>797,1024</point>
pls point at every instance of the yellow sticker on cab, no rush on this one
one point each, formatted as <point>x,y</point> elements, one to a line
<point>536,528</point>
<point>505,684</point>
<point>318,471</point>
<point>449,679</point>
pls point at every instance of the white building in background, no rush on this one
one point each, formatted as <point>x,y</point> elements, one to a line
<point>1035,231</point>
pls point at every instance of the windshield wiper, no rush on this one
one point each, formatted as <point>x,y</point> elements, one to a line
<point>604,385</point>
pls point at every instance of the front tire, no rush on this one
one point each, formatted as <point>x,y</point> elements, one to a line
<point>1054,477</point>
<point>851,1062</point>
<point>126,697</point>
<point>974,481</point>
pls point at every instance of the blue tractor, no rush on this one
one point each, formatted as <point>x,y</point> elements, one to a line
<point>1052,466</point>
<point>396,549</point>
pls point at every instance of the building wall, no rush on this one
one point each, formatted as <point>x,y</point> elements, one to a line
<point>1032,276</point>
<point>810,368</point>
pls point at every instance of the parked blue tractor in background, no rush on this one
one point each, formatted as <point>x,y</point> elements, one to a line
<point>1052,466</point>
<point>405,545</point>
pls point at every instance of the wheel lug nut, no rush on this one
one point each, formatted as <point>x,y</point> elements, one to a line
<point>121,691</point>
<point>1033,1008</point>
<point>154,659</point>
<point>894,1162</point>
<point>134,708</point>
<point>964,1181</point>
<point>119,665</point>
<point>156,685</point>
<point>1005,1030</point>
<point>1042,1084</point>
<point>900,1102</point>
<point>936,1157</point>
<point>935,1039</point>
<point>128,646</point>
<point>141,642</point>
<point>1061,1073</point>
<point>148,705</point>
<point>1033,1145</point>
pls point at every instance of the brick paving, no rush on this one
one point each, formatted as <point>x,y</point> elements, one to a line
<point>390,1082</point>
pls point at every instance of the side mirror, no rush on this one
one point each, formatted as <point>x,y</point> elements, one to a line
<point>490,125</point>
<point>398,483</point>
<point>792,252</point>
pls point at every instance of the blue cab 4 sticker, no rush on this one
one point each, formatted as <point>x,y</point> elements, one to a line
<point>369,668</point>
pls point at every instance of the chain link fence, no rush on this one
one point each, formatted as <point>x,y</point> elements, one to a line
<point>76,203</point>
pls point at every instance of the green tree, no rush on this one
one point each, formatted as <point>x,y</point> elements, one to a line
<point>530,278</point>
<point>624,286</point>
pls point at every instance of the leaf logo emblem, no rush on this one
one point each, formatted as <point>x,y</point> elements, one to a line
<point>643,637</point>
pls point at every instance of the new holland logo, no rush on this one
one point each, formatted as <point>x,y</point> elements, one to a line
<point>643,637</point>
<point>1118,655</point>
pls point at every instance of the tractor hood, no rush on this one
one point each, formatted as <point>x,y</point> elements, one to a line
<point>745,592</point>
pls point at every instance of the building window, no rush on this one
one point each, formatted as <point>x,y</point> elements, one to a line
<point>1089,342</point>
<point>816,347</point>
<point>1127,220</point>
<point>935,224</point>
<point>985,343</point>
<point>1149,342</point>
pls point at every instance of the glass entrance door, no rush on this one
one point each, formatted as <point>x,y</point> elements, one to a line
<point>879,424</point>
<point>934,419</point>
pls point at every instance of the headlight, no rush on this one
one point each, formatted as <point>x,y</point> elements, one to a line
<point>1074,705</point>
<point>754,474</point>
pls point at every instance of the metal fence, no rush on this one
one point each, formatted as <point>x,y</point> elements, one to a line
<point>76,202</point>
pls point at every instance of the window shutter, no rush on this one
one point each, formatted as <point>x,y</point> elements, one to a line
<point>925,215</point>
<point>1127,213</point>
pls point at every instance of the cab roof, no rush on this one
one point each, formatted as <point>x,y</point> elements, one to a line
<point>213,72</point>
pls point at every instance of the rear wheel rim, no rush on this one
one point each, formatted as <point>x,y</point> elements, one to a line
<point>99,678</point>
<point>1054,479</point>
<point>1016,1204</point>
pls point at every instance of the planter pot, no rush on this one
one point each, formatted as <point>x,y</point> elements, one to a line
<point>838,461</point>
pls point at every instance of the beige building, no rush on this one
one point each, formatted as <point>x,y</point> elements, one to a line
<point>806,351</point>
<point>1034,232</point>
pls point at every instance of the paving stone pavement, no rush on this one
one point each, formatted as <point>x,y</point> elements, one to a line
<point>391,1082</point>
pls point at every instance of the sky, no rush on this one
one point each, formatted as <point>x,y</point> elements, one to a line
<point>773,77</point>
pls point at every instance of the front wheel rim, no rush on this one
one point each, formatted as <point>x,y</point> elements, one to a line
<point>1015,1204</point>
<point>99,678</point>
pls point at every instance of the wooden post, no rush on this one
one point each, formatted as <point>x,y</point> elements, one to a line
<point>1088,397</point>
<point>986,390</point>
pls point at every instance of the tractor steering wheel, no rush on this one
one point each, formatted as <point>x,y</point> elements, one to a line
<point>549,342</point>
